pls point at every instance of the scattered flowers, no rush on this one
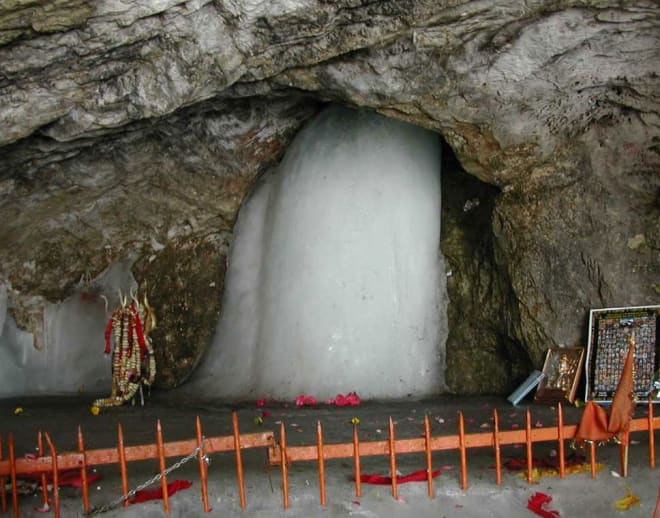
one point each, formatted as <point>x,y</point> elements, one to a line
<point>628,501</point>
<point>261,403</point>
<point>304,400</point>
<point>350,399</point>
<point>355,420</point>
<point>95,410</point>
<point>18,410</point>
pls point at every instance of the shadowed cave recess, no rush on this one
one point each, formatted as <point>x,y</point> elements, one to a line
<point>397,198</point>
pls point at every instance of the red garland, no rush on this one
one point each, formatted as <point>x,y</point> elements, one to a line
<point>140,334</point>
<point>108,336</point>
<point>130,336</point>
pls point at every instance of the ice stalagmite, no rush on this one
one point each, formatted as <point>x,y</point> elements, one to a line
<point>336,282</point>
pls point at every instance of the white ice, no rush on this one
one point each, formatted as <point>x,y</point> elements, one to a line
<point>71,359</point>
<point>336,281</point>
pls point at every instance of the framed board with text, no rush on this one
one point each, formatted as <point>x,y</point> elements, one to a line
<point>610,333</point>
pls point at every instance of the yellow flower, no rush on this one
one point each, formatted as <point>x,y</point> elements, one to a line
<point>18,410</point>
<point>259,420</point>
<point>628,501</point>
<point>95,410</point>
<point>355,420</point>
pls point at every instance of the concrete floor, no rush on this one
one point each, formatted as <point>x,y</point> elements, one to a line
<point>576,495</point>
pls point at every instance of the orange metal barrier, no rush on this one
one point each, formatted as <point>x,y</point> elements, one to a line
<point>284,455</point>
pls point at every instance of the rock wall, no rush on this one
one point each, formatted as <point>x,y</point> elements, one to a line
<point>137,129</point>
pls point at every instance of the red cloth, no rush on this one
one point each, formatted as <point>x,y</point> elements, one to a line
<point>66,477</point>
<point>537,503</point>
<point>156,494</point>
<point>417,476</point>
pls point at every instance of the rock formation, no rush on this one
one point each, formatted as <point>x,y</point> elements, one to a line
<point>137,129</point>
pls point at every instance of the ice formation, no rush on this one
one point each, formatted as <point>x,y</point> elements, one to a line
<point>336,282</point>
<point>71,359</point>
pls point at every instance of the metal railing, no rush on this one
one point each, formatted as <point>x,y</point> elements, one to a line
<point>283,455</point>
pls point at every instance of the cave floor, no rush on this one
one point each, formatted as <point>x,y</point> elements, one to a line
<point>576,495</point>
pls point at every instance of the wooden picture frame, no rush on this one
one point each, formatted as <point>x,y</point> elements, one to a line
<point>562,369</point>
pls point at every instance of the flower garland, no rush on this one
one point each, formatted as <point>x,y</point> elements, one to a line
<point>133,359</point>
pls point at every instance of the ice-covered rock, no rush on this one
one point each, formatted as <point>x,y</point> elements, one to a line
<point>71,359</point>
<point>336,282</point>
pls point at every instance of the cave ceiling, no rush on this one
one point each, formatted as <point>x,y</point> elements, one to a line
<point>138,128</point>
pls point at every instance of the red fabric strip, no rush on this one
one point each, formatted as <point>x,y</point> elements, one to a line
<point>417,476</point>
<point>156,494</point>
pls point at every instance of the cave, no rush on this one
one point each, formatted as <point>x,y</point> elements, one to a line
<point>131,139</point>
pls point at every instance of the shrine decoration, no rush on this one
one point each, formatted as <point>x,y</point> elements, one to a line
<point>133,360</point>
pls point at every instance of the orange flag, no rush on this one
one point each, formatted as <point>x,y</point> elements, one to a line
<point>596,425</point>
<point>623,405</point>
<point>593,427</point>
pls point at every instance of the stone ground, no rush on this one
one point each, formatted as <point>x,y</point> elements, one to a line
<point>576,495</point>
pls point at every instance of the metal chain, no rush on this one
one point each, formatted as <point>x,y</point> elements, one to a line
<point>119,501</point>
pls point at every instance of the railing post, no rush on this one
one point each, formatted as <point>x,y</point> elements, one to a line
<point>429,455</point>
<point>123,469</point>
<point>83,471</point>
<point>356,457</point>
<point>162,463</point>
<point>651,436</point>
<point>56,476</point>
<point>44,478</point>
<point>203,467</point>
<point>624,448</point>
<point>496,444</point>
<point>592,458</point>
<point>463,451</point>
<point>395,485</point>
<point>3,484</point>
<point>560,438</point>
<point>12,472</point>
<point>528,444</point>
<point>239,460</point>
<point>284,466</point>
<point>321,458</point>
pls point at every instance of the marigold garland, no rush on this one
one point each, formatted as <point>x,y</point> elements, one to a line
<point>133,359</point>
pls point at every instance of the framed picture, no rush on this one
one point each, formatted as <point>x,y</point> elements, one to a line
<point>562,369</point>
<point>610,333</point>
